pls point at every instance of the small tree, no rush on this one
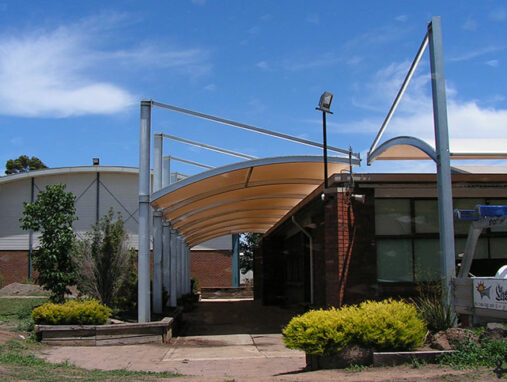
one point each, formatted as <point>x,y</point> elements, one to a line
<point>247,244</point>
<point>105,261</point>
<point>52,214</point>
<point>23,164</point>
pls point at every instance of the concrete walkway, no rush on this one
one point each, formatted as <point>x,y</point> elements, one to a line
<point>219,339</point>
<point>236,341</point>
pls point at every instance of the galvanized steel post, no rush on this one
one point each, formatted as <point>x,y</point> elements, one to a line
<point>143,288</point>
<point>235,260</point>
<point>157,262</point>
<point>173,270</point>
<point>166,171</point>
<point>157,226</point>
<point>166,250</point>
<point>445,213</point>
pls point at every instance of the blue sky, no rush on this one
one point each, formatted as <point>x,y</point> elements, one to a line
<point>72,75</point>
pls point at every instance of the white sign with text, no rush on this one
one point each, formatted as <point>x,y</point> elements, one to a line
<point>490,293</point>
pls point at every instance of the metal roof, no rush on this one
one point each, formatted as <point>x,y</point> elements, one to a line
<point>249,196</point>
<point>68,170</point>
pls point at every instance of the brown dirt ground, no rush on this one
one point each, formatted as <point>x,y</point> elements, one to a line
<point>220,318</point>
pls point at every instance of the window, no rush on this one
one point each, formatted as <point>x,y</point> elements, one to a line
<point>407,237</point>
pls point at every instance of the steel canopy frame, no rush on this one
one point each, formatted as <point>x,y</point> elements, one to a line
<point>163,227</point>
<point>441,156</point>
<point>251,128</point>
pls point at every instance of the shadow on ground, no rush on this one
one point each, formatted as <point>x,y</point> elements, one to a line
<point>238,317</point>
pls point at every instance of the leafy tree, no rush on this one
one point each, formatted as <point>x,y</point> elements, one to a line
<point>23,164</point>
<point>52,214</point>
<point>105,262</point>
<point>248,243</point>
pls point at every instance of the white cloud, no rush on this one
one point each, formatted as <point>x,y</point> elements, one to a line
<point>499,14</point>
<point>313,19</point>
<point>199,2</point>
<point>401,18</point>
<point>323,60</point>
<point>493,63</point>
<point>476,53</point>
<point>471,126</point>
<point>262,65</point>
<point>55,73</point>
<point>210,87</point>
<point>42,75</point>
<point>469,25</point>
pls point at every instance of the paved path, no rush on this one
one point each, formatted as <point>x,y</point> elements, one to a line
<point>239,342</point>
<point>219,339</point>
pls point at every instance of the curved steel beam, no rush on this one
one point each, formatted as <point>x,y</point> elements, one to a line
<point>409,141</point>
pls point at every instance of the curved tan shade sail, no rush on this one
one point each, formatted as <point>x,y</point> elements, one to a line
<point>410,148</point>
<point>249,196</point>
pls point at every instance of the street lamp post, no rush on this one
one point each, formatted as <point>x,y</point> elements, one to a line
<point>324,105</point>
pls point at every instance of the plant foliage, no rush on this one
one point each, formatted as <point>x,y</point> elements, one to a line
<point>248,243</point>
<point>105,261</point>
<point>89,312</point>
<point>23,164</point>
<point>470,354</point>
<point>385,325</point>
<point>52,214</point>
<point>429,303</point>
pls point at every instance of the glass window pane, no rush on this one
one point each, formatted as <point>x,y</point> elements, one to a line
<point>427,259</point>
<point>392,216</point>
<point>426,216</point>
<point>481,251</point>
<point>461,227</point>
<point>394,260</point>
<point>498,247</point>
<point>498,202</point>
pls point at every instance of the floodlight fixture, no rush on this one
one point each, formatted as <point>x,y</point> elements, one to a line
<point>324,106</point>
<point>325,102</point>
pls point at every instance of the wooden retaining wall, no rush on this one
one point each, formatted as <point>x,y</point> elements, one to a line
<point>103,335</point>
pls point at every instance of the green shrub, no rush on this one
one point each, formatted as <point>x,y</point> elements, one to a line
<point>385,325</point>
<point>89,312</point>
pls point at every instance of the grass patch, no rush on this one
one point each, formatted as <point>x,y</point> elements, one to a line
<point>18,363</point>
<point>15,313</point>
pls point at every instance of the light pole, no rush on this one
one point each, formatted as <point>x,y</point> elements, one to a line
<point>324,105</point>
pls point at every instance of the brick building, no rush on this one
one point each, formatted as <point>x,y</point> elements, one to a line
<point>97,188</point>
<point>374,237</point>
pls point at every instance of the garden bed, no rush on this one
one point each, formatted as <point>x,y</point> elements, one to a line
<point>113,334</point>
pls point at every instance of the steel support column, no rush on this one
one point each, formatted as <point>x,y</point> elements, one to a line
<point>166,262</point>
<point>179,267</point>
<point>157,262</point>
<point>143,286</point>
<point>235,260</point>
<point>157,226</point>
<point>189,276</point>
<point>173,270</point>
<point>445,212</point>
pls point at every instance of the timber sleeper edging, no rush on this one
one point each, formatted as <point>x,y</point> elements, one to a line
<point>110,334</point>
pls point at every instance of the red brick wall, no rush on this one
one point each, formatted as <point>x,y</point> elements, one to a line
<point>13,266</point>
<point>212,268</point>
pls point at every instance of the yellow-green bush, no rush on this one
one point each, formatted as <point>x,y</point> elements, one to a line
<point>385,325</point>
<point>88,312</point>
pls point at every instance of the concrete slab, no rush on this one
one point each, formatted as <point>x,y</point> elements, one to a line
<point>228,347</point>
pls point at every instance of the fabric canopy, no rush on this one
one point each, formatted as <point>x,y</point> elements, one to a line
<point>248,196</point>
